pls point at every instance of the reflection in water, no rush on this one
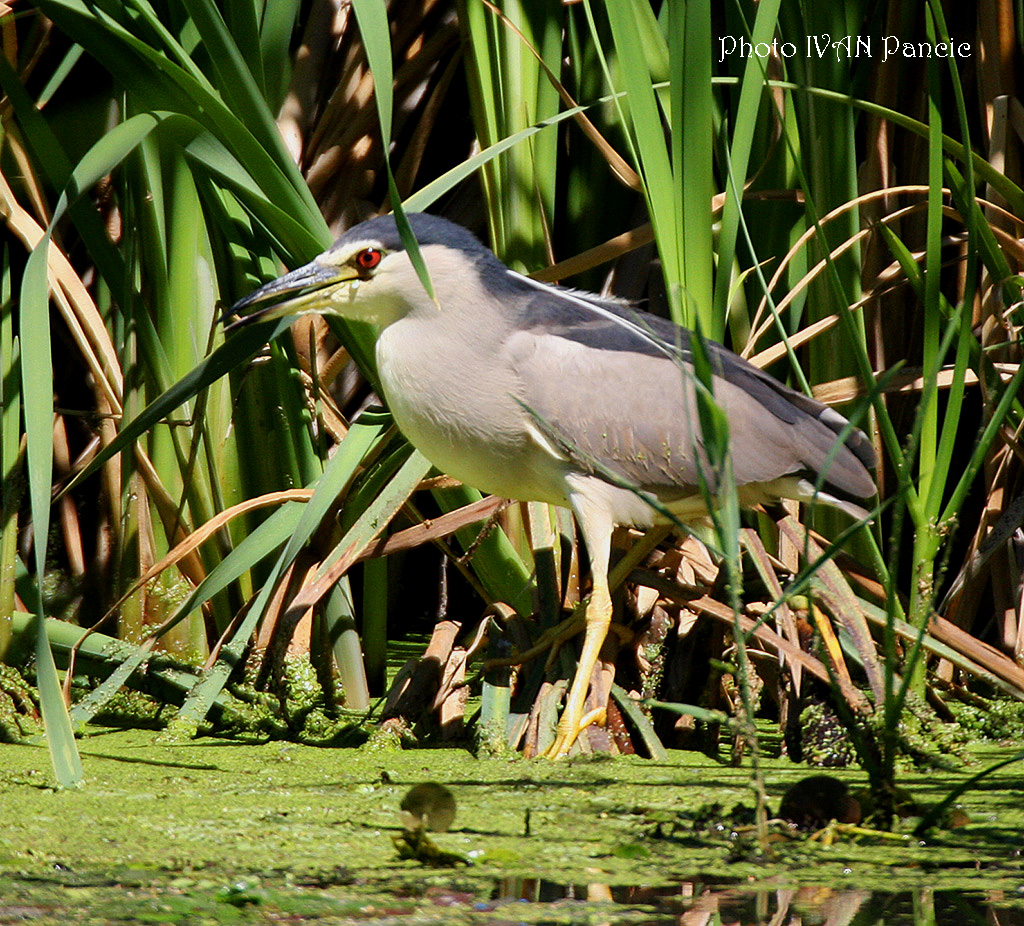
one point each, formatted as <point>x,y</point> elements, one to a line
<point>697,903</point>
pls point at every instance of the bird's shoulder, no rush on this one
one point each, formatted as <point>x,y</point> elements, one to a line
<point>600,322</point>
<point>577,318</point>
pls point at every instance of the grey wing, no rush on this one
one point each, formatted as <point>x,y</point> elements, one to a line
<point>615,399</point>
<point>609,410</point>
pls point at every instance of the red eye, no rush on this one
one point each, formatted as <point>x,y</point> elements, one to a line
<point>368,258</point>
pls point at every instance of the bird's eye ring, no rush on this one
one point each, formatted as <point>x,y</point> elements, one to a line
<point>368,258</point>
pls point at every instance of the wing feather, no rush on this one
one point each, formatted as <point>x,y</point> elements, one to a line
<point>613,387</point>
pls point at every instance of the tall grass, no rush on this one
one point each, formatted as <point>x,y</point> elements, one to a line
<point>161,189</point>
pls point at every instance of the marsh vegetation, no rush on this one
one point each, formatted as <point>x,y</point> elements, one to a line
<point>249,540</point>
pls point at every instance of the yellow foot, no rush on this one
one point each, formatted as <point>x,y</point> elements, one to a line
<point>596,621</point>
<point>573,720</point>
<point>570,728</point>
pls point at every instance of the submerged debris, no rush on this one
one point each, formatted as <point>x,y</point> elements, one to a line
<point>416,845</point>
<point>428,806</point>
<point>814,801</point>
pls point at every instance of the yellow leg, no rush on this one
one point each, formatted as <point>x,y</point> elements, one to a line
<point>596,526</point>
<point>599,616</point>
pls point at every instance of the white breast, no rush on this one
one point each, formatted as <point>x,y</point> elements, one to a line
<point>462,414</point>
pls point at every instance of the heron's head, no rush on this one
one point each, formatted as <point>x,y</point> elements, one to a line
<point>367,275</point>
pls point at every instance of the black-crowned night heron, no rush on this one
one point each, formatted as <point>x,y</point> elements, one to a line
<point>540,393</point>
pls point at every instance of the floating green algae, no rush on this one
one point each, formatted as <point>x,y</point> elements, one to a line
<point>242,828</point>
